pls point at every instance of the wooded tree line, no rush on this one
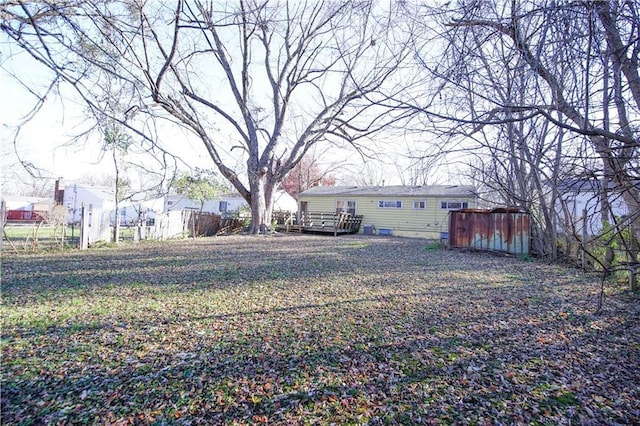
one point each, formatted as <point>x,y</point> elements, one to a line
<point>541,95</point>
<point>528,95</point>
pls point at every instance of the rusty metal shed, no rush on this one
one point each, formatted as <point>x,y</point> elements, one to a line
<point>500,229</point>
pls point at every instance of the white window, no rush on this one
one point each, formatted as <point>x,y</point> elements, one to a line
<point>389,204</point>
<point>346,206</point>
<point>454,205</point>
<point>420,204</point>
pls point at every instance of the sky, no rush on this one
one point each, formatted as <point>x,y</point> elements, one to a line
<point>44,140</point>
<point>47,140</point>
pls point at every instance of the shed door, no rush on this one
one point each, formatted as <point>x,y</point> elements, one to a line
<point>459,229</point>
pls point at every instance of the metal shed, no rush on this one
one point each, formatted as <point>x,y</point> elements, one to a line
<point>500,229</point>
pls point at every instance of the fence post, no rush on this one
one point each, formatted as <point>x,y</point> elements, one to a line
<point>142,225</point>
<point>84,229</point>
<point>3,213</point>
<point>584,239</point>
<point>73,232</point>
<point>136,233</point>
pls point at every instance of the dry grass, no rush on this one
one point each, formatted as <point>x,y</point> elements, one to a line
<point>311,330</point>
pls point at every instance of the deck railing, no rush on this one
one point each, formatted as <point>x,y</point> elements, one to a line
<point>338,223</point>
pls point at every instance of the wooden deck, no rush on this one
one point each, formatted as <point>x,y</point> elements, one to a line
<point>319,222</point>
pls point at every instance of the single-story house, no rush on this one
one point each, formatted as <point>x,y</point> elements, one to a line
<point>283,201</point>
<point>580,203</point>
<point>74,196</point>
<point>24,203</point>
<point>409,211</point>
<point>18,207</point>
<point>95,198</point>
<point>230,203</point>
<point>183,202</point>
<point>145,210</point>
<point>102,199</point>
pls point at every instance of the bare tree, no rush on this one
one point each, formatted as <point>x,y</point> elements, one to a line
<point>58,217</point>
<point>263,81</point>
<point>421,165</point>
<point>371,173</point>
<point>538,88</point>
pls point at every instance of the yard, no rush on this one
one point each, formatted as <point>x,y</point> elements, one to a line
<point>34,237</point>
<point>298,329</point>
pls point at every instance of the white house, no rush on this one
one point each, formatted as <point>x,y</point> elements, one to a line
<point>93,198</point>
<point>230,203</point>
<point>284,202</point>
<point>101,199</point>
<point>96,198</point>
<point>580,203</point>
<point>132,211</point>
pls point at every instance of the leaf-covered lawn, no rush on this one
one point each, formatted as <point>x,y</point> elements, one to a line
<point>312,330</point>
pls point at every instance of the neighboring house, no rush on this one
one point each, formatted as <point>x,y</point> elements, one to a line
<point>182,202</point>
<point>284,202</point>
<point>21,208</point>
<point>580,202</point>
<point>143,211</point>
<point>19,202</point>
<point>411,211</point>
<point>74,196</point>
<point>230,203</point>
<point>101,199</point>
<point>98,203</point>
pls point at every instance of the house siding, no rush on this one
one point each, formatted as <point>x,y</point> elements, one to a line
<point>405,221</point>
<point>579,203</point>
<point>77,196</point>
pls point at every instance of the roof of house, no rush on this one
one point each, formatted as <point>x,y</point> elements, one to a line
<point>587,184</point>
<point>581,185</point>
<point>220,196</point>
<point>100,191</point>
<point>24,199</point>
<point>19,201</point>
<point>392,190</point>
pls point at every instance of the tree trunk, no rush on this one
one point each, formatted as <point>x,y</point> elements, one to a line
<point>116,225</point>
<point>633,259</point>
<point>261,203</point>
